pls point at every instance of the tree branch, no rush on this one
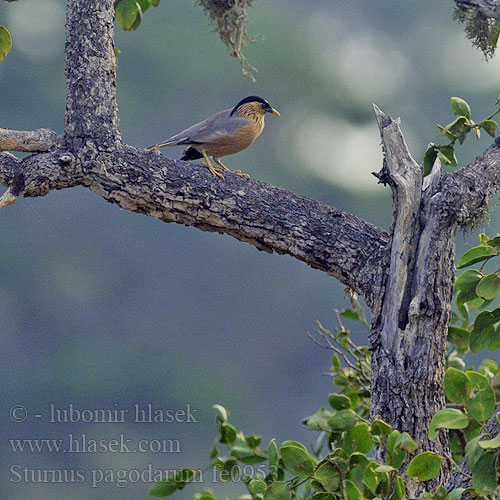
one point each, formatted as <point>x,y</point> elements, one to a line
<point>39,140</point>
<point>466,192</point>
<point>488,8</point>
<point>270,218</point>
<point>404,175</point>
<point>91,110</point>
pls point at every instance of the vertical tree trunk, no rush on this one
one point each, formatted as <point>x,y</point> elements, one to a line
<point>91,110</point>
<point>411,315</point>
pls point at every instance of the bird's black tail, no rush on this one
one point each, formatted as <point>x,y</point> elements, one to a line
<point>191,154</point>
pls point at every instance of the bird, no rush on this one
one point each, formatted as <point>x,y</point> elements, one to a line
<point>225,133</point>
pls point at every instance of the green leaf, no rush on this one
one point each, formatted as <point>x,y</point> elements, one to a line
<point>297,459</point>
<point>495,340</point>
<point>484,475</point>
<point>163,488</point>
<point>336,364</point>
<point>278,491</point>
<point>425,465</point>
<point>343,420</point>
<point>447,418</point>
<point>144,5</point>
<point>459,337</point>
<point>358,439</point>
<point>494,242</point>
<point>154,3</point>
<point>455,494</point>
<point>227,433</point>
<point>319,421</point>
<point>352,491</point>
<point>384,468</point>
<point>5,42</point>
<point>457,386</point>
<point>399,488</point>
<point>490,126</point>
<point>222,414</point>
<point>205,495</point>
<point>468,280</point>
<point>370,477</point>
<point>405,442</point>
<point>490,443</point>
<point>429,158</point>
<point>349,314</point>
<point>476,254</point>
<point>339,401</point>
<point>460,107</point>
<point>480,338</point>
<point>272,452</point>
<point>489,287</point>
<point>464,297</point>
<point>257,486</point>
<point>482,406</point>
<point>328,475</point>
<point>447,155</point>
<point>380,428</point>
<point>126,13</point>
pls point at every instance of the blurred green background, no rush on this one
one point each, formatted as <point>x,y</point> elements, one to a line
<point>103,308</point>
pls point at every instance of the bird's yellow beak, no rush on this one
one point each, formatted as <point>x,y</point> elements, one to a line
<point>275,112</point>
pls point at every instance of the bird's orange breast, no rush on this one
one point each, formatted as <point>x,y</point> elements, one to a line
<point>239,141</point>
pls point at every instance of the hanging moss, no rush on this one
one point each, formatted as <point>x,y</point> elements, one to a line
<point>482,30</point>
<point>229,19</point>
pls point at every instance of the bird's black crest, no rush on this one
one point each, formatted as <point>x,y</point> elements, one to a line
<point>250,98</point>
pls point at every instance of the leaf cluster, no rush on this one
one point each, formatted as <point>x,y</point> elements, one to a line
<point>456,130</point>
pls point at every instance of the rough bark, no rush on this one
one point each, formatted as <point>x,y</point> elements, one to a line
<point>41,139</point>
<point>411,315</point>
<point>406,279</point>
<point>489,8</point>
<point>270,218</point>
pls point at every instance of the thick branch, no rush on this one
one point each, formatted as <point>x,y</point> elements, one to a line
<point>39,140</point>
<point>270,218</point>
<point>408,337</point>
<point>404,175</point>
<point>91,111</point>
<point>9,166</point>
<point>467,191</point>
<point>489,8</point>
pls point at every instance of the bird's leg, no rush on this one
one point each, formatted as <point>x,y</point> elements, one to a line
<point>214,171</point>
<point>217,160</point>
<point>239,172</point>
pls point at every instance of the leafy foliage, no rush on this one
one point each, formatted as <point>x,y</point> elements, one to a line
<point>129,13</point>
<point>456,130</point>
<point>341,463</point>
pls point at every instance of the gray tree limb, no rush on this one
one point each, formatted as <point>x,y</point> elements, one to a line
<point>489,8</point>
<point>411,315</point>
<point>39,140</point>
<point>270,218</point>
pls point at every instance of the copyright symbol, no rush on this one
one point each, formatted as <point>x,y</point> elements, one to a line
<point>18,413</point>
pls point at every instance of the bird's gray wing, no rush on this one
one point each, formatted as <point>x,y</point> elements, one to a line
<point>210,130</point>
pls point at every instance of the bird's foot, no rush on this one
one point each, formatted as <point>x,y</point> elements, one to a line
<point>216,160</point>
<point>216,172</point>
<point>239,172</point>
